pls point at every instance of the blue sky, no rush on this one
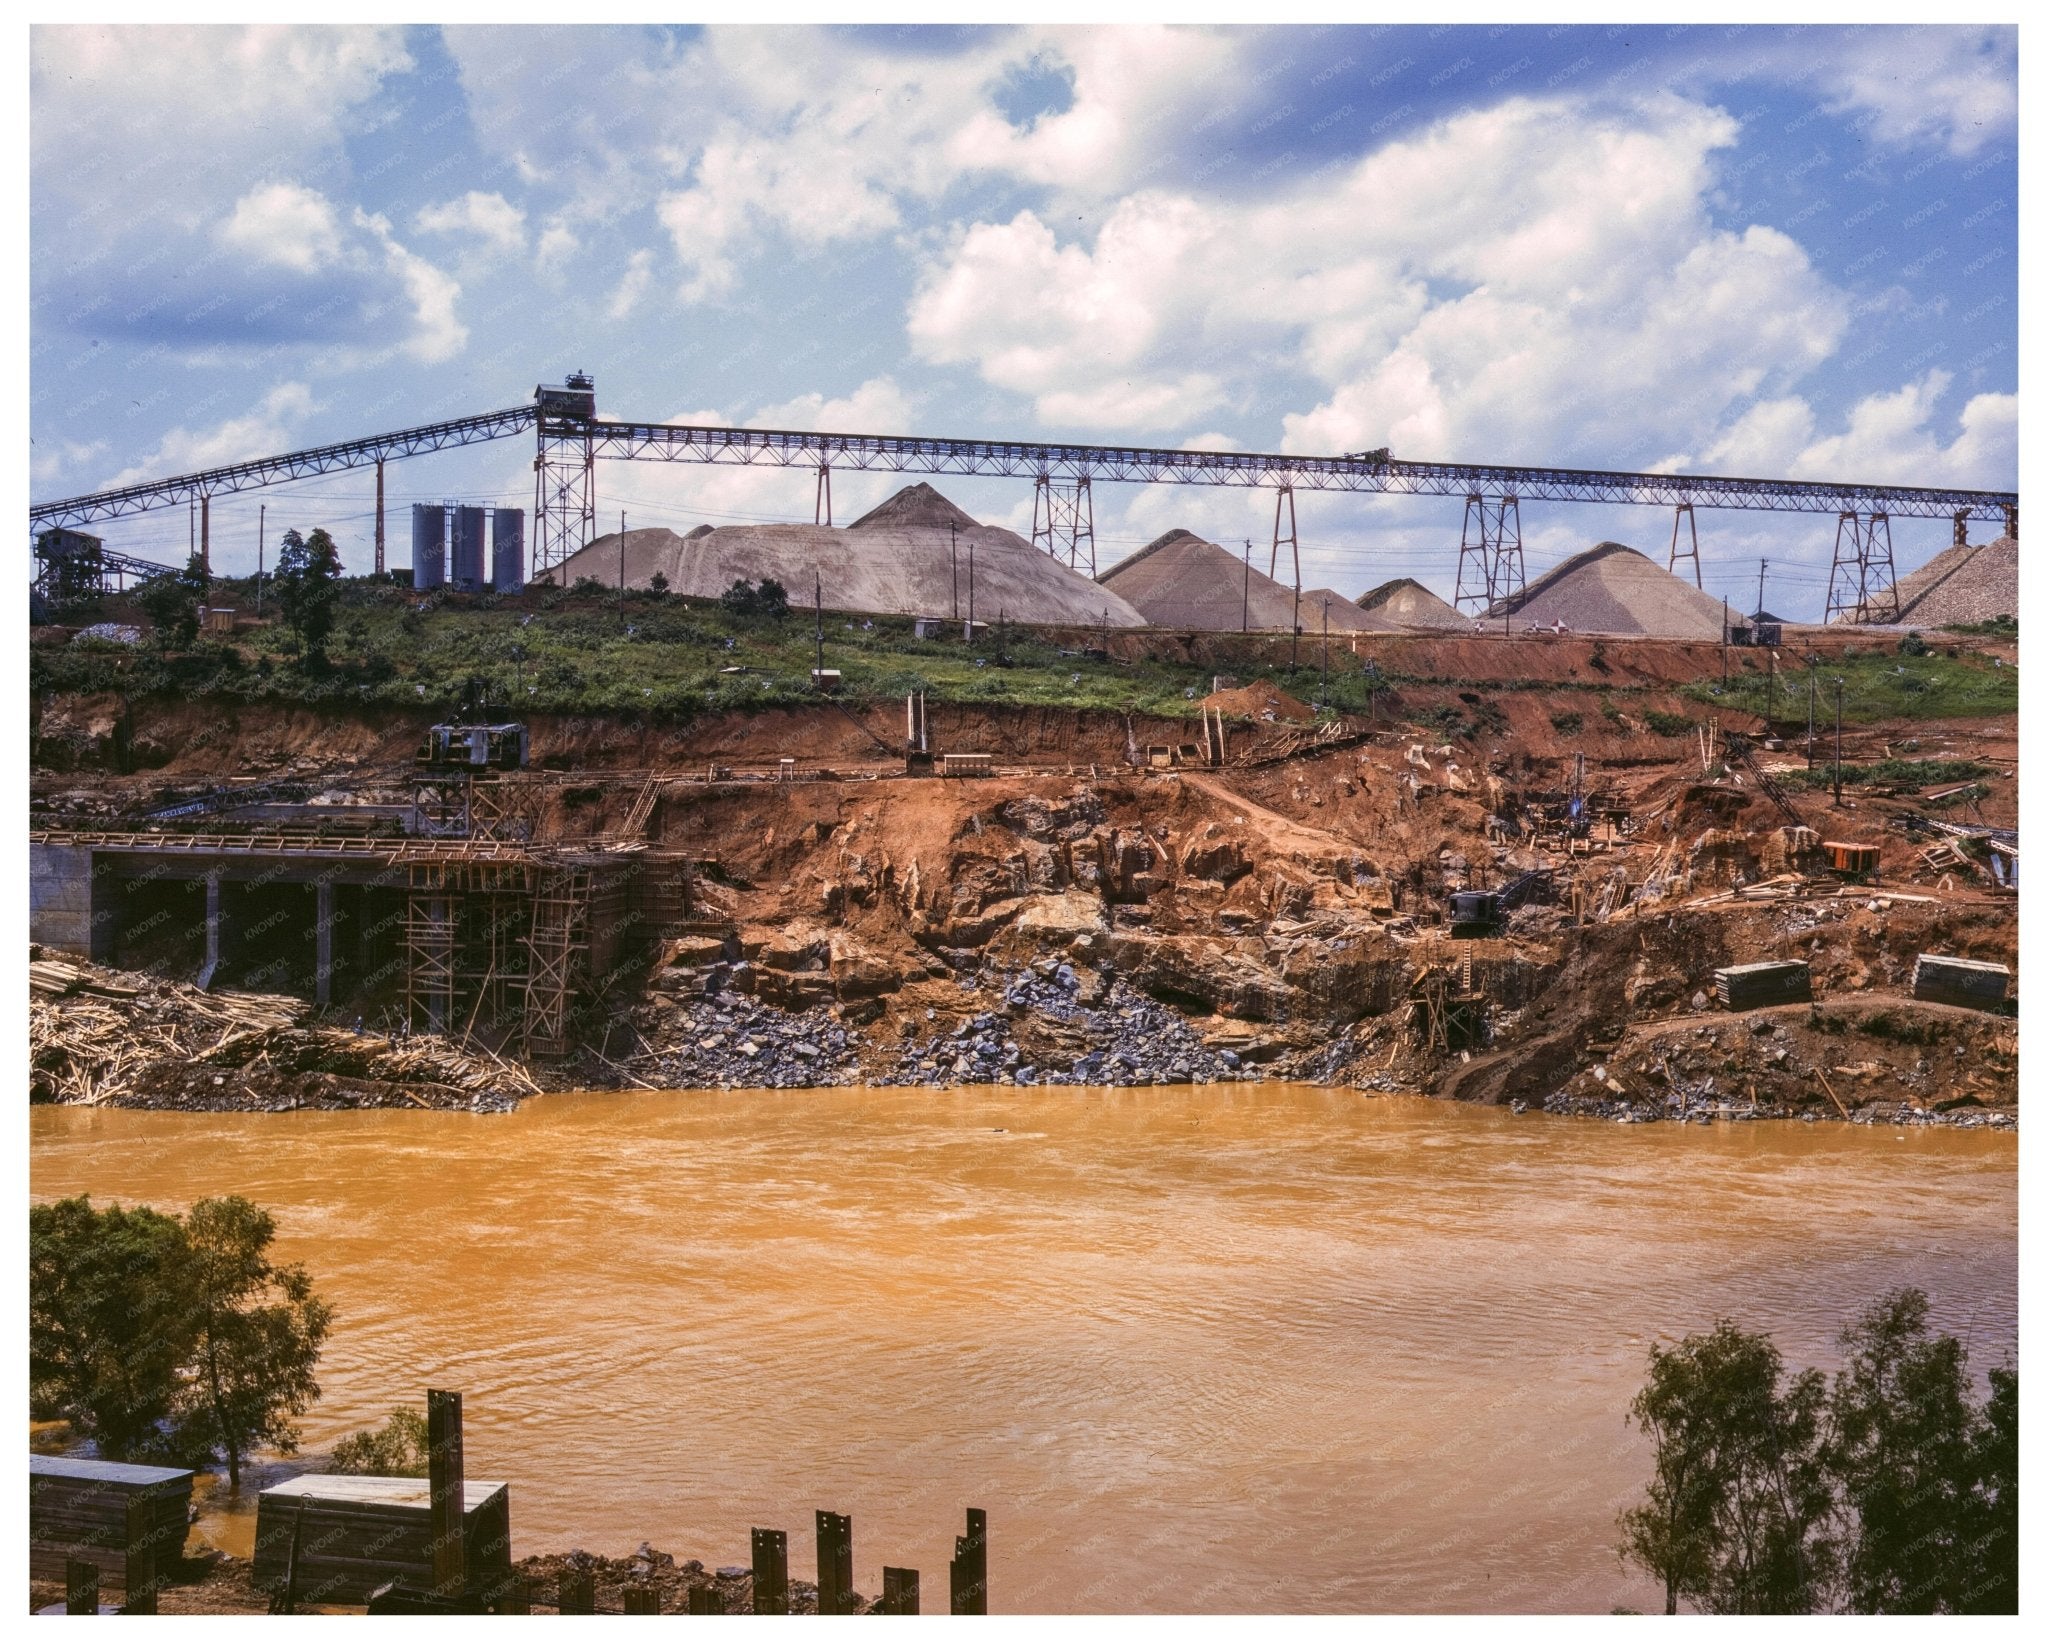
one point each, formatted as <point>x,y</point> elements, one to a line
<point>1768,251</point>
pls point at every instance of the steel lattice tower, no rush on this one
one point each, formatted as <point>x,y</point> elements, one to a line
<point>564,477</point>
<point>1063,522</point>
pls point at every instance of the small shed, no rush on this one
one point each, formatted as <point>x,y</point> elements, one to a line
<point>357,1532</point>
<point>956,765</point>
<point>1960,983</point>
<point>1851,858</point>
<point>1763,984</point>
<point>78,1509</point>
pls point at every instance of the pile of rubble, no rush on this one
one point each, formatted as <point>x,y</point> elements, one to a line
<point>97,1036</point>
<point>732,1040</point>
<point>1061,1026</point>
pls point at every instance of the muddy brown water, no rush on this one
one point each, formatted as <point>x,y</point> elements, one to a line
<point>1239,1348</point>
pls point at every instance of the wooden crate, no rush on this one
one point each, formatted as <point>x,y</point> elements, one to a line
<point>363,1530</point>
<point>1960,983</point>
<point>78,1509</point>
<point>1763,984</point>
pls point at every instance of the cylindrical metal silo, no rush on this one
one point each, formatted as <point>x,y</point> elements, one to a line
<point>429,546</point>
<point>508,549</point>
<point>466,570</point>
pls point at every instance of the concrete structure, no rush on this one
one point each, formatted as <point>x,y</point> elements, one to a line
<point>474,931</point>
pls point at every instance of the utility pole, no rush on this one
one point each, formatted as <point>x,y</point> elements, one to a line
<point>1326,651</point>
<point>970,589</point>
<point>622,566</point>
<point>1838,742</point>
<point>1812,691</point>
<point>956,570</point>
<point>1761,565</point>
<point>1247,585</point>
<point>818,611</point>
<point>380,517</point>
<point>1724,645</point>
<point>206,534</point>
<point>260,510</point>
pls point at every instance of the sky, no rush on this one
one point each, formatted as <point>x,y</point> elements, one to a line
<point>1762,251</point>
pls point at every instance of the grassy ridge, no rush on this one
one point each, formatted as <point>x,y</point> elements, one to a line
<point>1877,685</point>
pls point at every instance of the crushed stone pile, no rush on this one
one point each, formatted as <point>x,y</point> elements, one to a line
<point>1614,591</point>
<point>1963,585</point>
<point>1408,603</point>
<point>898,559</point>
<point>1185,582</point>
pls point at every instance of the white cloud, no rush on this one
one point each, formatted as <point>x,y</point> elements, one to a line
<point>437,334</point>
<point>1889,438</point>
<point>1957,87</point>
<point>52,460</point>
<point>490,217</point>
<point>1515,283</point>
<point>149,130</point>
<point>632,284</point>
<point>285,225</point>
<point>264,430</point>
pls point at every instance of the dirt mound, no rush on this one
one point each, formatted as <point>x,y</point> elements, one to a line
<point>916,506</point>
<point>1614,590</point>
<point>1408,602</point>
<point>1963,585</point>
<point>903,558</point>
<point>1262,702</point>
<point>1183,581</point>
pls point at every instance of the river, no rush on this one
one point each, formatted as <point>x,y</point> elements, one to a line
<point>1229,1348</point>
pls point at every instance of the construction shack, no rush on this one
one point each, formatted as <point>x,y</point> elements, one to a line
<point>356,1532</point>
<point>1763,984</point>
<point>78,1509</point>
<point>1851,858</point>
<point>1960,983</point>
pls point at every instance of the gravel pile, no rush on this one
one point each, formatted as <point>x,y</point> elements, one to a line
<point>731,1040</point>
<point>1185,582</point>
<point>1614,590</point>
<point>1121,1039</point>
<point>1962,586</point>
<point>1409,603</point>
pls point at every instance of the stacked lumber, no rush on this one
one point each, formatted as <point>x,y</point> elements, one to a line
<point>356,1532</point>
<point>1960,983</point>
<point>78,1509</point>
<point>1763,984</point>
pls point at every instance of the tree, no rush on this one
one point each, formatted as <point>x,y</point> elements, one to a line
<point>1735,1508</point>
<point>307,570</point>
<point>1904,1446</point>
<point>259,1333</point>
<point>744,598</point>
<point>1991,1523</point>
<point>399,1447</point>
<point>109,1325</point>
<point>657,583</point>
<point>173,601</point>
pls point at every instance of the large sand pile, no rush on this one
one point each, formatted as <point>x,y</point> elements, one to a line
<point>1615,591</point>
<point>1183,581</point>
<point>1962,586</point>
<point>1410,604</point>
<point>896,560</point>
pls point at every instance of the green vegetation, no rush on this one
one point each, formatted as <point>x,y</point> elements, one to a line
<point>1996,626</point>
<point>398,1448</point>
<point>1876,687</point>
<point>155,1335</point>
<point>1567,722</point>
<point>1893,1490</point>
<point>1670,724</point>
<point>308,572</point>
<point>173,602</point>
<point>1891,771</point>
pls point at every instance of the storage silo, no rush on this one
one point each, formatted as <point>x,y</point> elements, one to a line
<point>429,546</point>
<point>508,549</point>
<point>466,570</point>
